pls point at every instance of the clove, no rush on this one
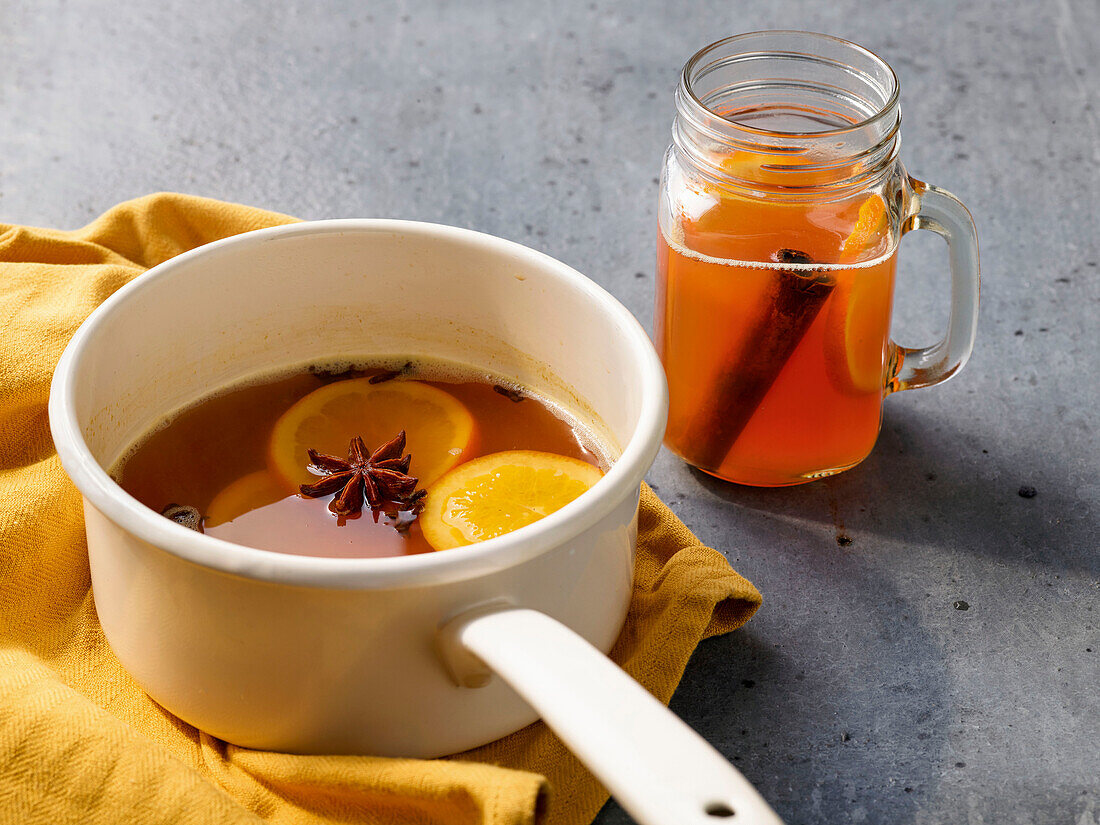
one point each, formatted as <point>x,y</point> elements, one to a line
<point>184,515</point>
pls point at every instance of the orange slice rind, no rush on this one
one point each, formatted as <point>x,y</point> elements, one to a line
<point>869,227</point>
<point>499,493</point>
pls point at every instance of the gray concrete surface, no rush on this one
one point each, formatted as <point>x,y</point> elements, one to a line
<point>858,693</point>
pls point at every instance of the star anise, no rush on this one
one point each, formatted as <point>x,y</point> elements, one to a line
<point>378,478</point>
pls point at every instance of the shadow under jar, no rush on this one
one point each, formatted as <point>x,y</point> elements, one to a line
<point>781,206</point>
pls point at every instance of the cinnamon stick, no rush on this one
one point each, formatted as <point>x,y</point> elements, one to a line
<point>751,370</point>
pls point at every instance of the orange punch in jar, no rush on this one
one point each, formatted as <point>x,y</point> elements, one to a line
<point>782,203</point>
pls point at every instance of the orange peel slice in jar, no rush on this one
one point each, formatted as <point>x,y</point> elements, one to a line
<point>859,314</point>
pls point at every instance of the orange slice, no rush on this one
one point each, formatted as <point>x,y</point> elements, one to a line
<point>856,337</point>
<point>499,493</point>
<point>859,313</point>
<point>761,166</point>
<point>870,225</point>
<point>247,493</point>
<point>438,426</point>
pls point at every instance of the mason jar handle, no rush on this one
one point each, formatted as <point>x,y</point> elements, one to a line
<point>937,210</point>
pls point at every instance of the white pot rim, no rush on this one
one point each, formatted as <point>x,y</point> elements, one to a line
<point>103,493</point>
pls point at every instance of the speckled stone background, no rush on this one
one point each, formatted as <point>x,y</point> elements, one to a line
<point>859,693</point>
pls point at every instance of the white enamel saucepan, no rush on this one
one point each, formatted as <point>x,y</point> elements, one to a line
<point>390,656</point>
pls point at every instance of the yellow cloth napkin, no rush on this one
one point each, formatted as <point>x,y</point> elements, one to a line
<point>80,742</point>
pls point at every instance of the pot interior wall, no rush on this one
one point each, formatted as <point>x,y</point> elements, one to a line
<point>243,309</point>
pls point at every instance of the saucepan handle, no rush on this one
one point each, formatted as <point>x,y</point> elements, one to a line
<point>659,769</point>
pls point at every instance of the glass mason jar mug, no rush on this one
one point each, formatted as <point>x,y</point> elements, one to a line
<point>781,206</point>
